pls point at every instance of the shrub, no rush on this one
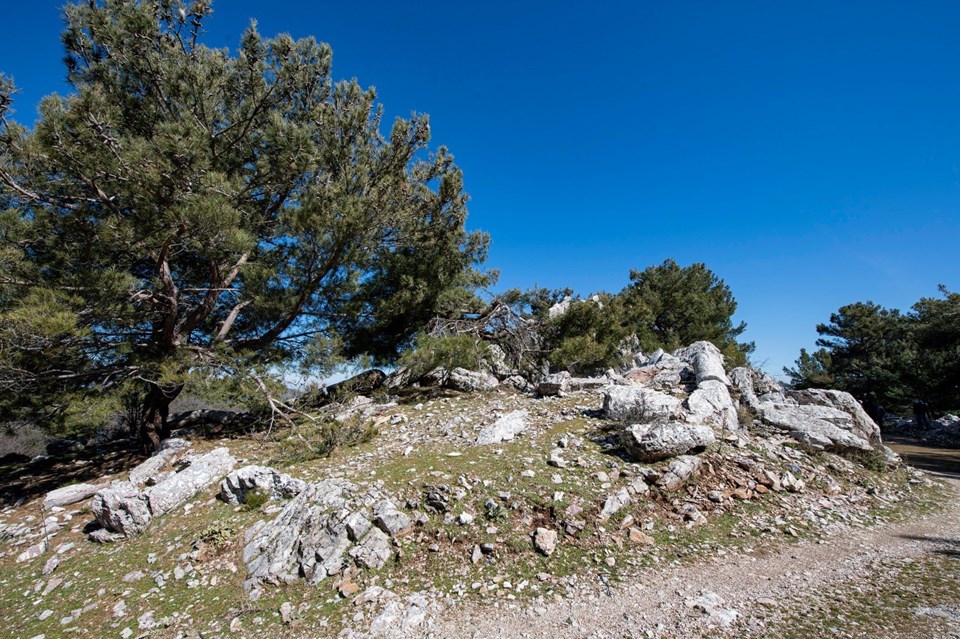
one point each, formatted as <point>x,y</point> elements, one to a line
<point>444,351</point>
<point>255,499</point>
<point>312,441</point>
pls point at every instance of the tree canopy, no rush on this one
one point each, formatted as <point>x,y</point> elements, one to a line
<point>190,209</point>
<point>665,306</point>
<point>896,357</point>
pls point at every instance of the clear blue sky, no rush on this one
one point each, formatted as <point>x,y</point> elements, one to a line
<point>807,152</point>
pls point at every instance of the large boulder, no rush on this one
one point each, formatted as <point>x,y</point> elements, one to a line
<point>321,532</point>
<point>820,419</point>
<point>706,360</point>
<point>308,536</point>
<point>276,485</point>
<point>71,494</point>
<point>121,508</point>
<point>124,508</point>
<point>200,471</point>
<point>504,429</point>
<point>712,405</point>
<point>817,427</point>
<point>861,424</point>
<point>470,381</point>
<point>654,442</point>
<point>640,404</point>
<point>823,420</point>
<point>554,384</point>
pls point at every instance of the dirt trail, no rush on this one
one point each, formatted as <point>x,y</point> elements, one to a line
<point>654,605</point>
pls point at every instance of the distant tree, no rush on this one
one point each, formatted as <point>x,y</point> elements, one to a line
<point>868,348</point>
<point>934,372</point>
<point>669,306</point>
<point>185,211</point>
<point>584,339</point>
<point>811,370</point>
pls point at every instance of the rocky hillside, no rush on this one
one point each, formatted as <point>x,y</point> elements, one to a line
<point>468,493</point>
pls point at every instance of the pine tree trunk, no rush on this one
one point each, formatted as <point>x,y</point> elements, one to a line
<point>156,408</point>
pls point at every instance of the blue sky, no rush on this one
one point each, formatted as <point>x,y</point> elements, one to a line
<point>807,152</point>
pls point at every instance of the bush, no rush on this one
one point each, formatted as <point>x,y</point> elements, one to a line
<point>317,440</point>
<point>255,499</point>
<point>444,351</point>
<point>218,535</point>
<point>584,339</point>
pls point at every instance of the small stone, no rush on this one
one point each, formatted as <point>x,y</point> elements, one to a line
<point>637,536</point>
<point>465,519</point>
<point>477,555</point>
<point>45,614</point>
<point>286,612</point>
<point>30,553</point>
<point>145,621</point>
<point>545,541</point>
<point>51,565</point>
<point>52,585</point>
<point>614,503</point>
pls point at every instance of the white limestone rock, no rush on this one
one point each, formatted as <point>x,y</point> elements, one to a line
<point>470,381</point>
<point>639,404</point>
<point>711,404</point>
<point>654,442</point>
<point>504,429</point>
<point>71,494</point>
<point>707,361</point>
<point>235,486</point>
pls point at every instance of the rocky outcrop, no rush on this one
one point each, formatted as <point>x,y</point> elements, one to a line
<point>319,533</point>
<point>70,494</point>
<point>122,508</point>
<point>470,381</point>
<point>276,485</point>
<point>654,442</point>
<point>819,419</point>
<point>504,429</point>
<point>127,509</point>
<point>712,405</point>
<point>640,404</point>
<point>706,360</point>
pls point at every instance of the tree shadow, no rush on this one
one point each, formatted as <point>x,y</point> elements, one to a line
<point>22,482</point>
<point>944,462</point>
<point>946,546</point>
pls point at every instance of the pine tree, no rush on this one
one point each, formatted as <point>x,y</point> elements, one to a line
<point>186,210</point>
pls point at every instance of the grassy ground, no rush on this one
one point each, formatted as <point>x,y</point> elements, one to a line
<point>515,476</point>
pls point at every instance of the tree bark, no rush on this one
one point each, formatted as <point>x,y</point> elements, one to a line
<point>156,407</point>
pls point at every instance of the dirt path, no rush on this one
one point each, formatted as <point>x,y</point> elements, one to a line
<point>756,587</point>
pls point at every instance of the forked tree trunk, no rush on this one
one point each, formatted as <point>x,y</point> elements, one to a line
<point>156,408</point>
